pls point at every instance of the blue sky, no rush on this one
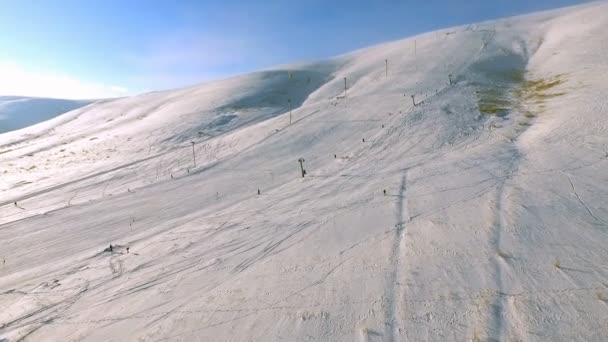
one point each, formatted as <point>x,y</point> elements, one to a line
<point>86,48</point>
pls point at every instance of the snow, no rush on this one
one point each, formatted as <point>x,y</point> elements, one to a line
<point>493,226</point>
<point>18,112</point>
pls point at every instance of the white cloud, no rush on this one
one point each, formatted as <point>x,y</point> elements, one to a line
<point>20,81</point>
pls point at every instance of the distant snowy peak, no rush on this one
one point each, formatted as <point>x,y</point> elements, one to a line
<point>18,112</point>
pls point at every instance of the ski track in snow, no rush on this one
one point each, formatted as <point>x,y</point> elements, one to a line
<point>392,295</point>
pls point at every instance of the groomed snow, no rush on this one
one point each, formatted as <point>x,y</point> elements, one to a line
<point>494,224</point>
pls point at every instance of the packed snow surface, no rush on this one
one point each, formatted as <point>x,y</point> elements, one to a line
<point>18,112</point>
<point>479,213</point>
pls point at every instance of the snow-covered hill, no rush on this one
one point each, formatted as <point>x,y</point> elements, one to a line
<point>479,213</point>
<point>17,112</point>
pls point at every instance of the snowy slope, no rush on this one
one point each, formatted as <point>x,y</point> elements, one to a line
<point>18,112</point>
<point>493,225</point>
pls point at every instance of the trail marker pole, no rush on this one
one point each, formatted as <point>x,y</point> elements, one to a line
<point>344,86</point>
<point>193,154</point>
<point>301,160</point>
<point>289,111</point>
<point>386,66</point>
<point>413,100</point>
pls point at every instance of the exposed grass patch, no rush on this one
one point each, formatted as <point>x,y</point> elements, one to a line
<point>538,90</point>
<point>493,98</point>
<point>492,109</point>
<point>543,84</point>
<point>540,98</point>
<point>499,99</point>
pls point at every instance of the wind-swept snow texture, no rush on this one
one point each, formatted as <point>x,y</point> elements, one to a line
<point>18,112</point>
<point>493,227</point>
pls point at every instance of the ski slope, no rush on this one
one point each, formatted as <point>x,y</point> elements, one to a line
<point>18,112</point>
<point>480,213</point>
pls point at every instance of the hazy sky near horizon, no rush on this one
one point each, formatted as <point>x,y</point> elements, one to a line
<point>95,49</point>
